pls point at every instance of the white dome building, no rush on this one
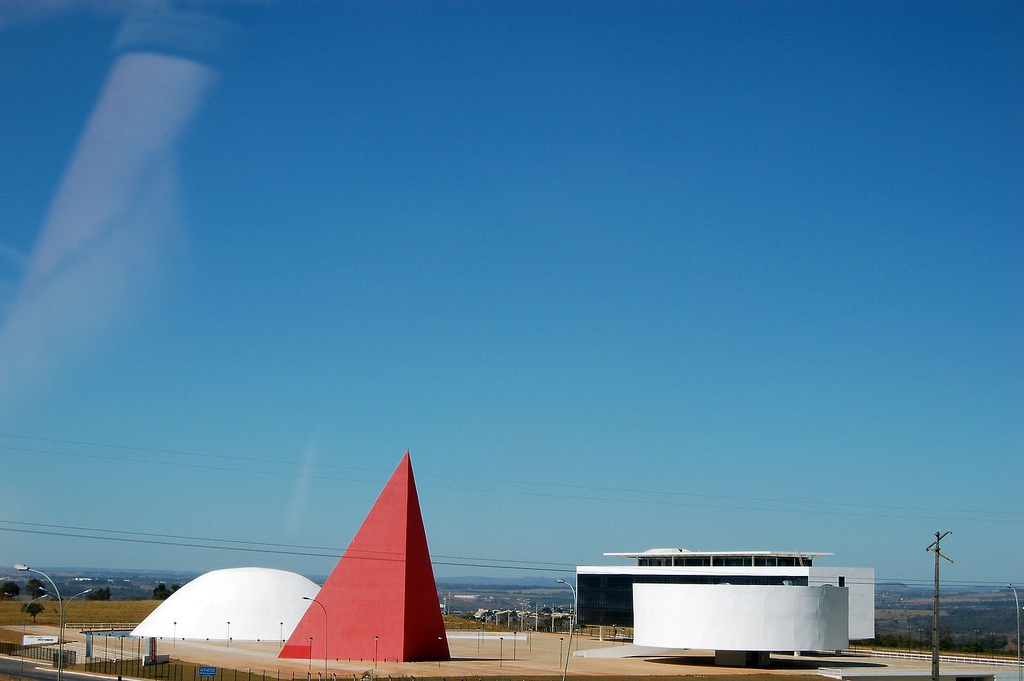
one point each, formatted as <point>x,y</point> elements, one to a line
<point>238,604</point>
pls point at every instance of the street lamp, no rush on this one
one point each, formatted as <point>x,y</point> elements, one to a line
<point>313,600</point>
<point>64,614</point>
<point>68,600</point>
<point>572,618</point>
<point>60,608</point>
<point>24,618</point>
<point>1016,606</point>
<point>375,640</point>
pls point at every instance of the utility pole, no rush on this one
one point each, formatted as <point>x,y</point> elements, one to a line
<point>934,548</point>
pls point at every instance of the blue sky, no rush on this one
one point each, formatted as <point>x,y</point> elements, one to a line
<point>620,275</point>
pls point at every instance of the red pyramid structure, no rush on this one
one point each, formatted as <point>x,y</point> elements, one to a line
<point>380,601</point>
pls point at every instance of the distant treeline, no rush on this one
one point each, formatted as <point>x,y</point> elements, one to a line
<point>987,644</point>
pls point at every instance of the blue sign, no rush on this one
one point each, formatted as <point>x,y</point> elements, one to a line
<point>207,671</point>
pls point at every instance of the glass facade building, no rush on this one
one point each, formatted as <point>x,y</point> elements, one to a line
<point>605,594</point>
<point>607,600</point>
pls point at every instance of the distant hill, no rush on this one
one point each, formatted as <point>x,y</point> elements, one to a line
<point>495,582</point>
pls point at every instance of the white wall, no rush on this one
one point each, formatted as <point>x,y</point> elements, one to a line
<point>741,617</point>
<point>861,583</point>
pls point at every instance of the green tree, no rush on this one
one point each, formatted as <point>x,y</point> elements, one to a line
<point>9,591</point>
<point>99,595</point>
<point>161,592</point>
<point>33,609</point>
<point>34,588</point>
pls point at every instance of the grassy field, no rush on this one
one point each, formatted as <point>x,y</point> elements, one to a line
<point>78,611</point>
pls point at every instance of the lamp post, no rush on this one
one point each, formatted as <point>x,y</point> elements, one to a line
<point>68,600</point>
<point>376,639</point>
<point>1016,607</point>
<point>24,618</point>
<point>64,614</point>
<point>313,600</point>
<point>60,608</point>
<point>572,619</point>
<point>501,654</point>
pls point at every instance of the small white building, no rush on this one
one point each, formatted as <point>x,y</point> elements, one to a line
<point>741,604</point>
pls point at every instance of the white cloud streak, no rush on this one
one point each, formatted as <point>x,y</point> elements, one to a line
<point>300,491</point>
<point>108,225</point>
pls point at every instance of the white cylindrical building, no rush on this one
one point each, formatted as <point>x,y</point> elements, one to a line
<point>741,617</point>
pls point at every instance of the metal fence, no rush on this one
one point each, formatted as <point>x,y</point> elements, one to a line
<point>957,659</point>
<point>100,626</point>
<point>39,653</point>
<point>182,672</point>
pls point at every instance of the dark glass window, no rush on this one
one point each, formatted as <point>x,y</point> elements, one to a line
<point>794,561</point>
<point>607,600</point>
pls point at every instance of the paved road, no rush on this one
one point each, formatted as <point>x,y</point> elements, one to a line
<point>39,670</point>
<point>33,669</point>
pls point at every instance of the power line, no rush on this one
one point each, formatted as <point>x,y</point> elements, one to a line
<point>477,562</point>
<point>272,548</point>
<point>529,488</point>
<point>219,544</point>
